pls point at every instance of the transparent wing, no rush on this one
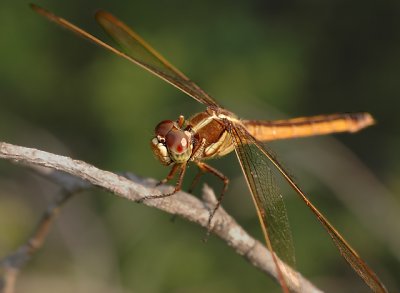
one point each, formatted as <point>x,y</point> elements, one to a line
<point>256,164</point>
<point>136,50</point>
<point>146,56</point>
<point>268,199</point>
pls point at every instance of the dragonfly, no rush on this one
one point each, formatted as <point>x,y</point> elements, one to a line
<point>216,132</point>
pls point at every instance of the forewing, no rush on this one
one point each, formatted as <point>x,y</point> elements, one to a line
<point>146,56</point>
<point>252,155</point>
<point>134,49</point>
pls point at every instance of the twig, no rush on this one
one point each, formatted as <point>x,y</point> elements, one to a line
<point>14,262</point>
<point>182,204</point>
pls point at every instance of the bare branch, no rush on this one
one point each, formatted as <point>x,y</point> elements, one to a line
<point>14,262</point>
<point>181,203</point>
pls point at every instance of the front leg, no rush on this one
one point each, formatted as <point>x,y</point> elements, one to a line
<point>171,174</point>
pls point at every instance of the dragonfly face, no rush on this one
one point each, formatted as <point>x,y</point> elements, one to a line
<point>216,132</point>
<point>171,143</point>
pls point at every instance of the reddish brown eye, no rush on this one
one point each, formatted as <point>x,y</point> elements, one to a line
<point>177,141</point>
<point>164,127</point>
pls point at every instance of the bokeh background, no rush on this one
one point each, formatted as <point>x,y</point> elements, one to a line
<point>261,59</point>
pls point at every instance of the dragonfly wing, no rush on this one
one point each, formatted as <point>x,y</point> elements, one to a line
<point>252,155</point>
<point>145,56</point>
<point>266,195</point>
<point>134,49</point>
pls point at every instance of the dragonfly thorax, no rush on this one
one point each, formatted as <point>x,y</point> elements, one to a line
<point>171,143</point>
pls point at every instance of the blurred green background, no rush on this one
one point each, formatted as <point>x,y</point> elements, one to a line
<point>262,60</point>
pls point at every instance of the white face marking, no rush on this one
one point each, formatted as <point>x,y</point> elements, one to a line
<point>154,141</point>
<point>163,150</point>
<point>160,138</point>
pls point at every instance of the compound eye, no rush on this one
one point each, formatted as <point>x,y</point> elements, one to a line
<point>163,128</point>
<point>177,141</point>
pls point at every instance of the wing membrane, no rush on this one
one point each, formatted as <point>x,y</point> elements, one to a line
<point>266,196</point>
<point>136,50</point>
<point>139,50</point>
<point>256,161</point>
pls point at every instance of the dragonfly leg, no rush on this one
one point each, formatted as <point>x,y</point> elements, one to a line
<point>197,151</point>
<point>196,180</point>
<point>207,168</point>
<point>170,175</point>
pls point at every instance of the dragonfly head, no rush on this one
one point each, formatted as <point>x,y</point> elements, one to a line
<point>171,144</point>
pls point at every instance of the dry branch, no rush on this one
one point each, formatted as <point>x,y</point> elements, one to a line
<point>182,204</point>
<point>13,263</point>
